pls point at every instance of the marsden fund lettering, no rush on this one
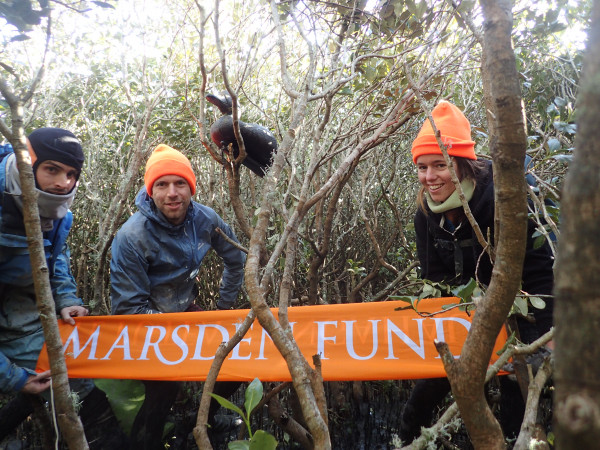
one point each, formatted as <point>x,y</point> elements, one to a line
<point>362,341</point>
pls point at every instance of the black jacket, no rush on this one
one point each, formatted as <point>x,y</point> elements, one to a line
<point>452,257</point>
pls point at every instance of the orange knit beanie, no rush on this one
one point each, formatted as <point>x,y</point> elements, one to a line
<point>168,161</point>
<point>455,132</point>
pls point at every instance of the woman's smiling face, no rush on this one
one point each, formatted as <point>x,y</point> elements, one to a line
<point>435,177</point>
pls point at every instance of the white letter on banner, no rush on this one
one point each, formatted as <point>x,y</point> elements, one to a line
<point>235,353</point>
<point>439,328</point>
<point>321,338</point>
<point>264,334</point>
<point>392,328</point>
<point>124,334</point>
<point>201,330</point>
<point>179,343</point>
<point>350,339</point>
<point>148,343</point>
<point>74,337</point>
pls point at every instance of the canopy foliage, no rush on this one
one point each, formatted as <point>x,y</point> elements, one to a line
<point>337,83</point>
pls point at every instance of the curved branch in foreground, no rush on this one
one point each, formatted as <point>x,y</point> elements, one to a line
<point>492,370</point>
<point>529,428</point>
<point>200,431</point>
<point>288,424</point>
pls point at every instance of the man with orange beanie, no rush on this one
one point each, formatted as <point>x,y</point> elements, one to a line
<point>156,256</point>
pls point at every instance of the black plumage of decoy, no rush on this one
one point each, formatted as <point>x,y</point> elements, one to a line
<point>259,142</point>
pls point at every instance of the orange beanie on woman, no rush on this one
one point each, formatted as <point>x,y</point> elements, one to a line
<point>455,133</point>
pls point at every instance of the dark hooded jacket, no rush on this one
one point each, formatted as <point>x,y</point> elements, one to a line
<point>453,256</point>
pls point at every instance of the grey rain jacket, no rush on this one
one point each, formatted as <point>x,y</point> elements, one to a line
<point>154,263</point>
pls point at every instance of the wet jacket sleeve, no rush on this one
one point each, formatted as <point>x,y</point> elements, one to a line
<point>234,260</point>
<point>12,377</point>
<point>130,284</point>
<point>64,289</point>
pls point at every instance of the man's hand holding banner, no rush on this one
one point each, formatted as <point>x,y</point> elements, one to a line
<point>359,341</point>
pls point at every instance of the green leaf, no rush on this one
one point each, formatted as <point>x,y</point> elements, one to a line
<point>125,398</point>
<point>559,125</point>
<point>227,404</point>
<point>554,144</point>
<point>465,291</point>
<point>552,110</point>
<point>560,102</point>
<point>539,242</point>
<point>563,158</point>
<point>421,8</point>
<point>414,303</point>
<point>254,393</point>
<point>370,73</point>
<point>511,340</point>
<point>261,440</point>
<point>410,5</point>
<point>239,445</point>
<point>103,4</point>
<point>403,298</point>
<point>521,305</point>
<point>417,8</point>
<point>571,128</point>
<point>537,302</point>
<point>429,290</point>
<point>553,210</point>
<point>19,37</point>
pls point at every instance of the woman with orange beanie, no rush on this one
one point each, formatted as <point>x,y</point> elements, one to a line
<point>449,251</point>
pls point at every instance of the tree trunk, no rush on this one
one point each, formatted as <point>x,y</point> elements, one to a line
<point>507,145</point>
<point>577,356</point>
<point>70,425</point>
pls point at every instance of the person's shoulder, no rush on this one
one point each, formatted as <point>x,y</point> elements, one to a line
<point>486,174</point>
<point>202,207</point>
<point>133,225</point>
<point>204,212</point>
<point>5,150</point>
<point>484,181</point>
<point>422,219</point>
<point>134,235</point>
<point>66,222</point>
<point>419,215</point>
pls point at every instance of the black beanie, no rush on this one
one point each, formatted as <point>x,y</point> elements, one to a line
<point>56,144</point>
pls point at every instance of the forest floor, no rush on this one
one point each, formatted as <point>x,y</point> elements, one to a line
<point>362,416</point>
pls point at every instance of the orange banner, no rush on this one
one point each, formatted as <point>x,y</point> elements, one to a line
<point>360,341</point>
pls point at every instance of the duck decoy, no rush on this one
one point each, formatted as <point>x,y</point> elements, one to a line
<point>260,143</point>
